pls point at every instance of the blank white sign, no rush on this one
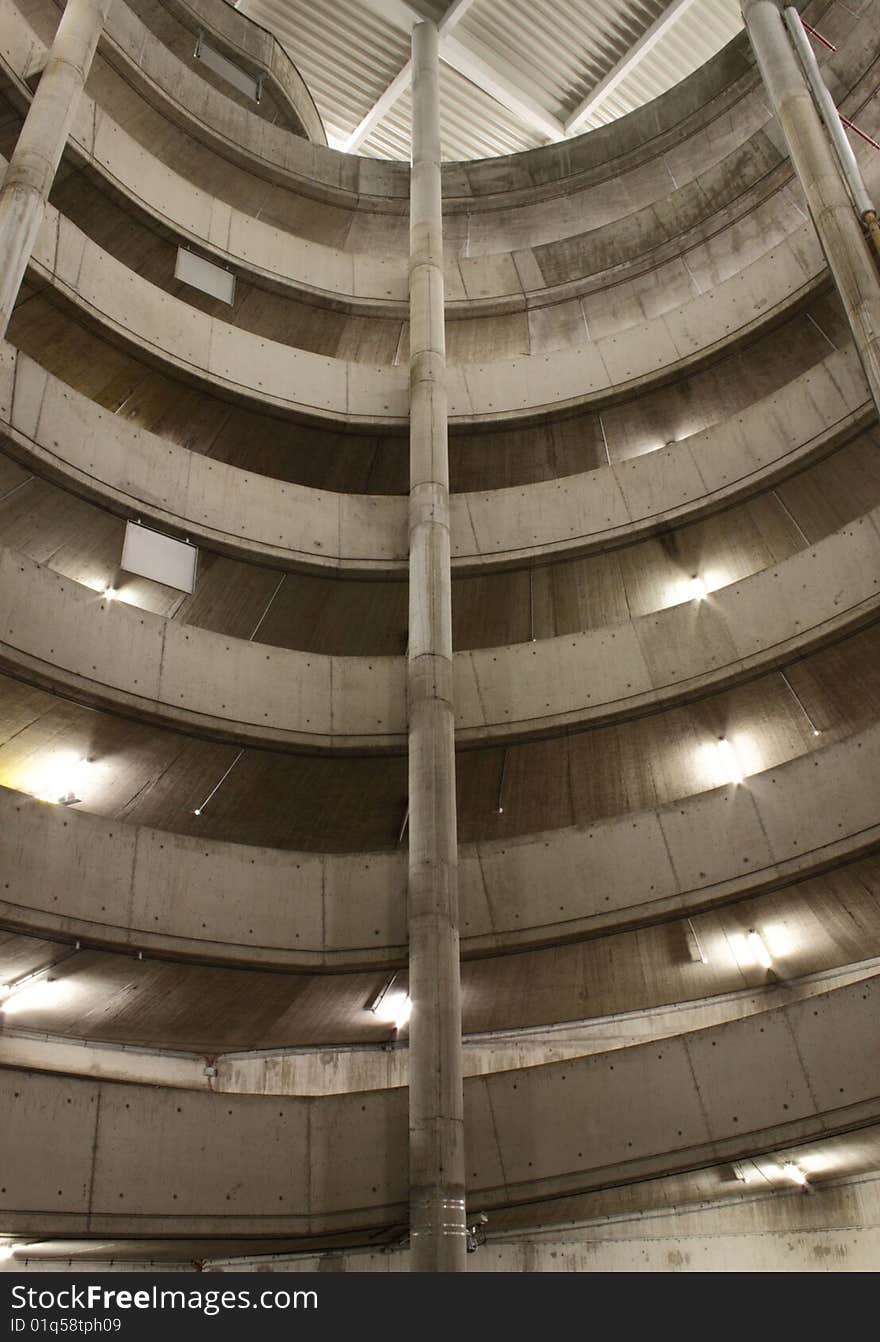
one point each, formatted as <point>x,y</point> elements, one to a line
<point>152,555</point>
<point>233,74</point>
<point>204,275</point>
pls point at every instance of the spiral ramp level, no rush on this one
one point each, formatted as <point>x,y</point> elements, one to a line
<point>665,564</point>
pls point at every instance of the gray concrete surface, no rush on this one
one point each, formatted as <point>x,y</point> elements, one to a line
<point>578,282</point>
<point>62,433</point>
<point>535,889</point>
<point>531,1131</point>
<point>28,178</point>
<point>128,659</point>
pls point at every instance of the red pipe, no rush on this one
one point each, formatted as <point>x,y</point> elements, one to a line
<point>849,125</point>
<point>819,37</point>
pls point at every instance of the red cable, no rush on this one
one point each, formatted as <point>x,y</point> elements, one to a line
<point>819,37</point>
<point>849,125</point>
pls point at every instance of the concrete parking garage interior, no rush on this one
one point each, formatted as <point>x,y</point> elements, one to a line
<point>476,864</point>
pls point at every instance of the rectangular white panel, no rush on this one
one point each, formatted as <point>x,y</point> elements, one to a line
<point>204,275</point>
<point>233,74</point>
<point>152,555</point>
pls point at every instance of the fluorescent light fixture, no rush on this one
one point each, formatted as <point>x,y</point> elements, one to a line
<point>759,950</point>
<point>817,1162</point>
<point>62,783</point>
<point>778,939</point>
<point>391,1005</point>
<point>687,589</point>
<point>698,587</point>
<point>103,587</point>
<point>695,949</point>
<point>797,1176</point>
<point>6,1252</point>
<point>730,763</point>
<point>751,950</point>
<point>34,996</point>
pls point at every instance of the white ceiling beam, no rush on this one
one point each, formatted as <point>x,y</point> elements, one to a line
<point>364,129</point>
<point>500,87</point>
<point>496,82</point>
<point>627,63</point>
<point>454,14</point>
<point>402,16</point>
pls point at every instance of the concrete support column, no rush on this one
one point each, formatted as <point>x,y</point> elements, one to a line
<point>821,179</point>
<point>32,168</point>
<point>436,1108</point>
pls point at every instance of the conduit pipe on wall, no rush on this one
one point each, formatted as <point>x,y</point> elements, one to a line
<point>41,143</point>
<point>821,180</point>
<point>828,112</point>
<point>834,124</point>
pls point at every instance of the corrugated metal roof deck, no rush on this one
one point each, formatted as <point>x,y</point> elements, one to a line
<point>553,52</point>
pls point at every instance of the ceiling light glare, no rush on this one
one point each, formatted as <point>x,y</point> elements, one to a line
<point>758,948</point>
<point>34,996</point>
<point>63,782</point>
<point>826,1162</point>
<point>392,1006</point>
<point>109,594</point>
<point>6,1252</point>
<point>729,761</point>
<point>797,1176</point>
<point>778,940</point>
<point>688,589</point>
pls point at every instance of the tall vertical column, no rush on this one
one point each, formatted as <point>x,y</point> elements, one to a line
<point>34,162</point>
<point>436,1118</point>
<point>821,180</point>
